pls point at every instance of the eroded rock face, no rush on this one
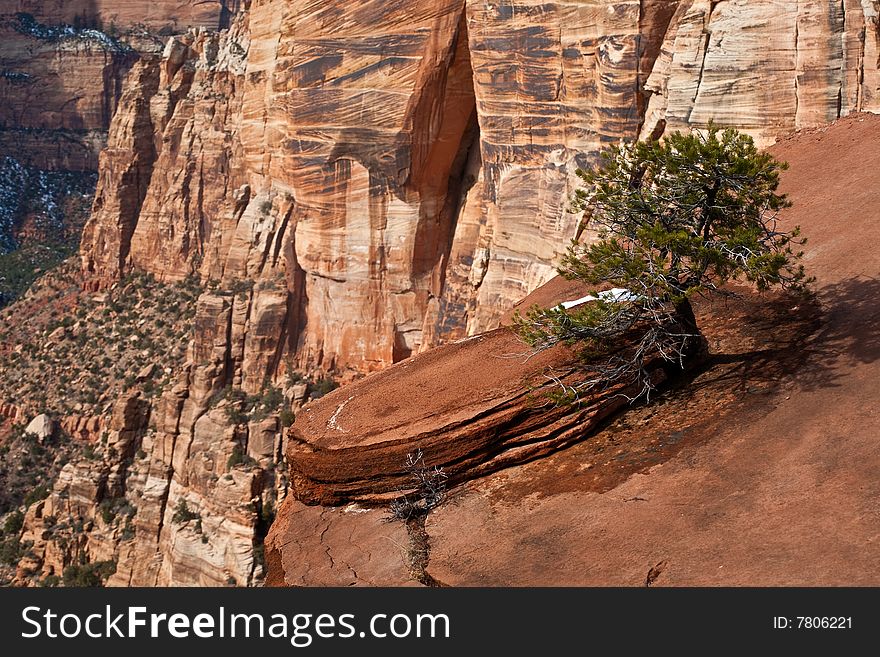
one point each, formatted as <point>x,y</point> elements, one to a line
<point>152,14</point>
<point>78,519</point>
<point>354,443</point>
<point>59,95</point>
<point>398,175</point>
<point>62,65</point>
<point>764,67</point>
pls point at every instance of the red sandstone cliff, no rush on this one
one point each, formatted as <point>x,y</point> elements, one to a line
<point>172,15</point>
<point>58,95</point>
<point>401,170</point>
<point>355,184</point>
<point>62,65</point>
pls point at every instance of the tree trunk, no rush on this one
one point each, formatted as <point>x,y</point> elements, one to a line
<point>694,344</point>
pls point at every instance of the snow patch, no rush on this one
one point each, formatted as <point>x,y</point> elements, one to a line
<point>614,295</point>
<point>354,508</point>
<point>27,24</point>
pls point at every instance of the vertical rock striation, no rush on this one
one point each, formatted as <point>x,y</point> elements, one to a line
<point>402,171</point>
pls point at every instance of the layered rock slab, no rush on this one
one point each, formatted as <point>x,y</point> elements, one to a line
<point>470,407</point>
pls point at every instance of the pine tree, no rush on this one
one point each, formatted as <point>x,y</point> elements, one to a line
<point>672,220</point>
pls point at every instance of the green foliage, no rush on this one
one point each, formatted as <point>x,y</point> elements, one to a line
<point>235,415</point>
<point>272,398</point>
<point>237,399</point>
<point>107,510</point>
<point>13,523</point>
<point>321,387</point>
<point>41,492</point>
<point>89,574</point>
<point>242,408</point>
<point>241,288</point>
<point>182,513</point>
<point>684,215</point>
<point>673,220</point>
<point>287,417</point>
<point>12,549</point>
<point>239,457</point>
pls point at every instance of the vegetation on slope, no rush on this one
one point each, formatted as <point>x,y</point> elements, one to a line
<point>77,352</point>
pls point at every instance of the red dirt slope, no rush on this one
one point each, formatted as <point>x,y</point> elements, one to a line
<point>771,456</point>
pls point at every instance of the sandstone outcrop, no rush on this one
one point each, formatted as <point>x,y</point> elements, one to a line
<point>59,95</point>
<point>353,444</point>
<point>427,150</point>
<point>155,15</point>
<point>467,408</point>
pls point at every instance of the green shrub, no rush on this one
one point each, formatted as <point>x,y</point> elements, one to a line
<point>128,530</point>
<point>88,575</point>
<point>321,387</point>
<point>41,492</point>
<point>239,457</point>
<point>13,523</point>
<point>182,513</point>
<point>272,398</point>
<point>108,513</point>
<point>12,549</point>
<point>50,581</point>
<point>671,221</point>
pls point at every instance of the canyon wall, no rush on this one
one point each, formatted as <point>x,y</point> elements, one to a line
<point>59,94</point>
<point>354,184</point>
<point>402,170</point>
<point>62,63</point>
<point>166,15</point>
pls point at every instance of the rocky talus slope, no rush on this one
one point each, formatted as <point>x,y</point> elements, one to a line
<point>757,469</point>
